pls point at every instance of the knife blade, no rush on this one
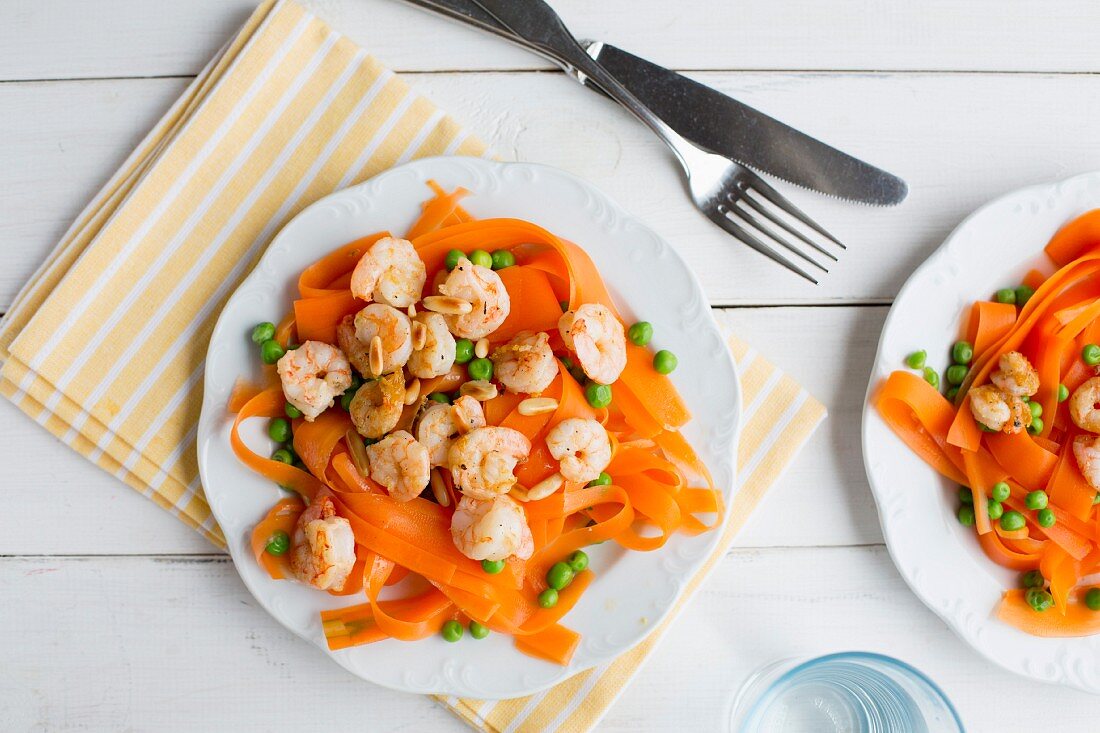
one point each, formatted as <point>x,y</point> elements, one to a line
<point>717,121</point>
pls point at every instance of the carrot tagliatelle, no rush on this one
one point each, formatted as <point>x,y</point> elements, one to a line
<point>1021,430</point>
<point>412,578</point>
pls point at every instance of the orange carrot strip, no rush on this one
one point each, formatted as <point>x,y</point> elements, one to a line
<point>1075,239</point>
<point>282,517</point>
<point>988,323</point>
<point>436,212</point>
<point>317,280</point>
<point>921,417</point>
<point>1022,457</point>
<point>555,644</point>
<point>317,318</point>
<point>270,403</point>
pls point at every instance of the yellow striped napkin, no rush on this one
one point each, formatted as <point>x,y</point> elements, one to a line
<point>105,345</point>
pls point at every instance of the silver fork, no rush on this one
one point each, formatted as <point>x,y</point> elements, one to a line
<point>731,196</point>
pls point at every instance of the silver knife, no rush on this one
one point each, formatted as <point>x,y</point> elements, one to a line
<point>718,122</point>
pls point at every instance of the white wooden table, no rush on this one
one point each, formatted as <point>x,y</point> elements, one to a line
<point>114,616</point>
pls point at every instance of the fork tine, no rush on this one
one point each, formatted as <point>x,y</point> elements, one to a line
<point>752,221</point>
<point>719,217</point>
<point>784,225</point>
<point>760,186</point>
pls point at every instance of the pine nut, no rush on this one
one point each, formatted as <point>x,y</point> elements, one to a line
<point>420,335</point>
<point>412,310</point>
<point>447,305</point>
<point>518,493</point>
<point>439,489</point>
<point>412,391</point>
<point>375,362</point>
<point>546,487</point>
<point>481,348</point>
<point>479,389</point>
<point>537,405</point>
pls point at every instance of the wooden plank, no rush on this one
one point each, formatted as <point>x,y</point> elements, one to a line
<point>179,644</point>
<point>823,499</point>
<point>113,38</point>
<point>54,160</point>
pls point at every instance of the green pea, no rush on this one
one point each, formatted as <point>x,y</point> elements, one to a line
<point>1023,295</point>
<point>1091,354</point>
<point>502,258</point>
<point>1096,499</point>
<point>956,374</point>
<point>1012,521</point>
<point>1038,599</point>
<point>966,515</point>
<point>1036,426</point>
<point>952,393</point>
<point>664,361</point>
<point>1046,517</point>
<point>559,575</point>
<point>279,430</point>
<point>278,544</point>
<point>548,598</point>
<point>994,508</point>
<point>481,258</point>
<point>931,377</point>
<point>1036,409</point>
<point>1092,599</point>
<point>283,456</point>
<point>578,561</point>
<point>966,496</point>
<point>962,352</point>
<point>453,256</point>
<point>1036,500</point>
<point>1032,579</point>
<point>291,411</point>
<point>452,631</point>
<point>263,332</point>
<point>916,359</point>
<point>598,395</point>
<point>492,567</point>
<point>1000,491</point>
<point>480,369</point>
<point>464,351</point>
<point>1006,295</point>
<point>1063,393</point>
<point>478,631</point>
<point>271,351</point>
<point>564,305</point>
<point>604,479</point>
<point>440,397</point>
<point>574,371</point>
<point>640,333</point>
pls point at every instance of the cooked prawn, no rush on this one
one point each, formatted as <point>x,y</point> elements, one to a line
<point>597,337</point>
<point>526,363</point>
<point>376,407</point>
<point>400,464</point>
<point>483,460</point>
<point>313,376</point>
<point>999,411</point>
<point>438,354</point>
<point>390,272</point>
<point>1016,376</point>
<point>1086,449</point>
<point>1084,405</point>
<point>356,351</point>
<point>581,447</point>
<point>394,329</point>
<point>482,288</point>
<point>323,550</point>
<point>495,529</point>
<point>438,425</point>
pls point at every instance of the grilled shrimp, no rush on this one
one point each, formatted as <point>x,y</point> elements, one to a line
<point>313,376</point>
<point>482,288</point>
<point>1084,405</point>
<point>526,363</point>
<point>439,424</point>
<point>356,351</point>
<point>400,464</point>
<point>999,411</point>
<point>392,327</point>
<point>1016,376</point>
<point>376,407</point>
<point>323,546</point>
<point>491,530</point>
<point>581,447</point>
<point>1086,449</point>
<point>594,333</point>
<point>483,460</point>
<point>438,354</point>
<point>390,272</point>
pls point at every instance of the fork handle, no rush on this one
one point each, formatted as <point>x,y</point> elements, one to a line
<point>538,24</point>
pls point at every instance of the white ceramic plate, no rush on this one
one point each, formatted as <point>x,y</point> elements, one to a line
<point>939,558</point>
<point>633,591</point>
